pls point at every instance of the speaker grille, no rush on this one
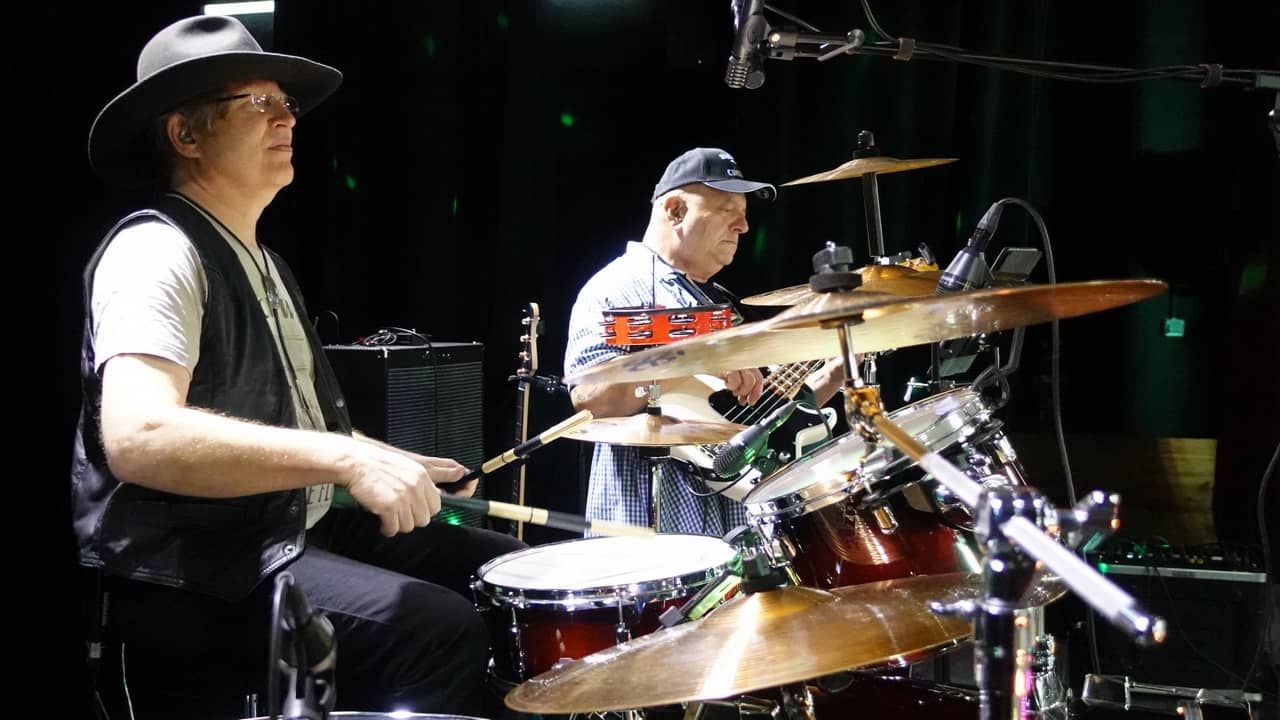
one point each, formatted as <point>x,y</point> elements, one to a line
<point>425,399</point>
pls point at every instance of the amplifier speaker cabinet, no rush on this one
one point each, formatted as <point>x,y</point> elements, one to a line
<point>1216,619</point>
<point>424,398</point>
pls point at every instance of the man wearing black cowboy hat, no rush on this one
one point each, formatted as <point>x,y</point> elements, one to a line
<point>213,432</point>
<point>697,212</point>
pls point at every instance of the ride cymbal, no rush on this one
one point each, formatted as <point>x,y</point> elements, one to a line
<point>764,640</point>
<point>645,430</point>
<point>806,331</point>
<point>879,164</point>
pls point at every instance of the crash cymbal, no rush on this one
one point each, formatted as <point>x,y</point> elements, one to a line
<point>647,430</point>
<point>882,281</point>
<point>803,332</point>
<point>919,320</point>
<point>764,640</point>
<point>877,164</point>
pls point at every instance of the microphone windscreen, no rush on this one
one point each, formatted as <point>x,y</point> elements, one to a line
<point>729,460</point>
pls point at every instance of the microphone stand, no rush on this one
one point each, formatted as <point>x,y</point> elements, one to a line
<point>788,43</point>
<point>309,695</point>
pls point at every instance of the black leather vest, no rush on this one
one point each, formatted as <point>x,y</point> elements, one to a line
<point>219,546</point>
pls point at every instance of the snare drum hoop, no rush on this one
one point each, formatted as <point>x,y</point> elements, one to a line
<point>817,494</point>
<point>937,422</point>
<point>606,595</point>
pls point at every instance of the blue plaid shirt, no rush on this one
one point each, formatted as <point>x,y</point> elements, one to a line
<point>620,486</point>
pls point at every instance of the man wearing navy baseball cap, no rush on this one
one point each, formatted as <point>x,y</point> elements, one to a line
<point>698,211</point>
<point>712,167</point>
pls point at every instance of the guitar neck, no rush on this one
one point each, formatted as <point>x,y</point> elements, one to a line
<point>786,381</point>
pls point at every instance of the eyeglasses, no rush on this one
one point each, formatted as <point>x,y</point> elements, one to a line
<point>262,103</point>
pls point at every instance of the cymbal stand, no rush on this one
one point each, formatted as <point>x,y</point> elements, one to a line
<point>866,147</point>
<point>1009,524</point>
<point>655,456</point>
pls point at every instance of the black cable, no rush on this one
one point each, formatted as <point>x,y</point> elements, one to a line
<point>1056,340</point>
<point>337,323</point>
<point>1055,390</point>
<point>792,18</point>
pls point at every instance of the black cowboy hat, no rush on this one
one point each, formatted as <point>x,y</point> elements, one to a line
<point>192,56</point>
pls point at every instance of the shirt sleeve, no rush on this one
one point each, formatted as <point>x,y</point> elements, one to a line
<point>586,346</point>
<point>148,296</point>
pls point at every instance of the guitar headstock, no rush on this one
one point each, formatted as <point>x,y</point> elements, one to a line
<point>531,325</point>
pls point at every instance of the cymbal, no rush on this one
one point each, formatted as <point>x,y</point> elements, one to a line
<point>877,280</point>
<point>802,332</point>
<point>763,640</point>
<point>881,281</point>
<point>653,431</point>
<point>876,164</point>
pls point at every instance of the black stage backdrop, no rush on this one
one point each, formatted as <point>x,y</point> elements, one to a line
<point>484,155</point>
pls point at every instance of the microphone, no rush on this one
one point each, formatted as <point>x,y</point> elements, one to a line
<point>743,447</point>
<point>746,58</point>
<point>968,270</point>
<point>313,633</point>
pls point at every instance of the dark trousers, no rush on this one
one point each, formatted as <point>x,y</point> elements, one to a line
<point>407,631</point>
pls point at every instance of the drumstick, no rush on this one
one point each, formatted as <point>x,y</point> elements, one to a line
<point>550,518</point>
<point>525,448</point>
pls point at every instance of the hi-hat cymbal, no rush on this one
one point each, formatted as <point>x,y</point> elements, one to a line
<point>763,640</point>
<point>645,430</point>
<point>864,166</point>
<point>803,332</point>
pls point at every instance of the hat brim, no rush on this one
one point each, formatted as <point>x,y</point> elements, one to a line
<point>746,187</point>
<point>119,138</point>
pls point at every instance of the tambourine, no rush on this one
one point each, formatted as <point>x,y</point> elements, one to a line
<point>626,327</point>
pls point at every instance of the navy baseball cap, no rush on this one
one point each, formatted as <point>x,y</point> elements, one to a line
<point>712,167</point>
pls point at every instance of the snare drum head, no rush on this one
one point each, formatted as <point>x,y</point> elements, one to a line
<point>839,468</point>
<point>605,567</point>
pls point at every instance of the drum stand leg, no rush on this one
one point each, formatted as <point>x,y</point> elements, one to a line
<point>656,457</point>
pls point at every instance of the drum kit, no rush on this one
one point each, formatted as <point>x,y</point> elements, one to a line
<point>912,535</point>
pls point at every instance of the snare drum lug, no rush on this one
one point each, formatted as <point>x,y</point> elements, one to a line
<point>621,633</point>
<point>885,519</point>
<point>519,660</point>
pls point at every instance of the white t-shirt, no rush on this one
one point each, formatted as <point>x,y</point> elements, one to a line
<point>148,299</point>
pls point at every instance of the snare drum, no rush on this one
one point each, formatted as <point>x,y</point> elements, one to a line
<point>851,513</point>
<point>569,599</point>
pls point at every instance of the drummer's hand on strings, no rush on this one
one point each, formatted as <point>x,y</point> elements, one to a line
<point>392,485</point>
<point>746,385</point>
